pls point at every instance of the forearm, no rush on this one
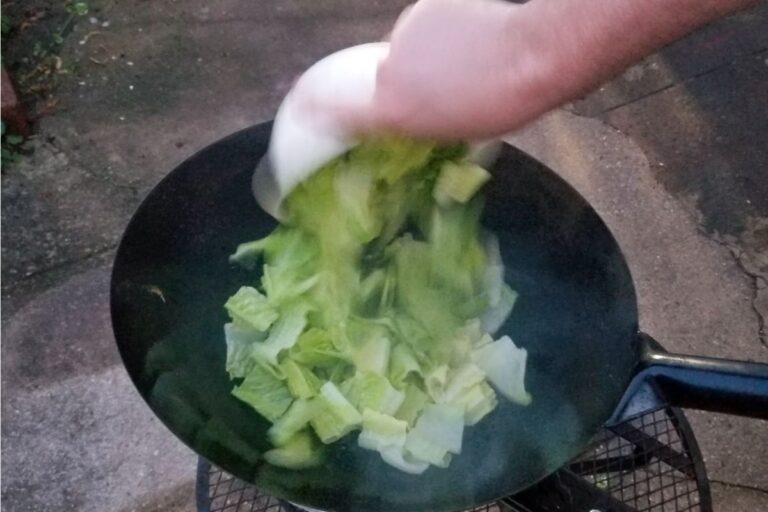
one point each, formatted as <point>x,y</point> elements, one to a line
<point>575,45</point>
<point>470,69</point>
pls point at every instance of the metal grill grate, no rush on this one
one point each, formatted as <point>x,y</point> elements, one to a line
<point>648,464</point>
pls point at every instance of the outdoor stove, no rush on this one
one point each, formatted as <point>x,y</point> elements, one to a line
<point>651,463</point>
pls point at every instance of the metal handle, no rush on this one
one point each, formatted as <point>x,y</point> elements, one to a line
<point>709,384</point>
<point>694,382</point>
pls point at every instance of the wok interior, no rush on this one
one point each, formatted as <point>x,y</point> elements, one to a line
<point>576,316</point>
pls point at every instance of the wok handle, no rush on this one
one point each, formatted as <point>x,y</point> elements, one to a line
<point>709,384</point>
<point>693,382</point>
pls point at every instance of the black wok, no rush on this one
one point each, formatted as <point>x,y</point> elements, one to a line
<point>576,315</point>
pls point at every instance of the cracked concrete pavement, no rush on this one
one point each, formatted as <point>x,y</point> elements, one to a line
<point>672,154</point>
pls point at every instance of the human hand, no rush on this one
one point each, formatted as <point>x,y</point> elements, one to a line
<point>456,69</point>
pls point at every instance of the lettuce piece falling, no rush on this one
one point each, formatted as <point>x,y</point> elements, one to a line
<point>263,391</point>
<point>504,364</point>
<point>334,416</point>
<point>373,355</point>
<point>402,364</point>
<point>283,335</point>
<point>391,158</point>
<point>250,309</point>
<point>374,309</point>
<point>239,347</point>
<point>288,248</point>
<point>459,182</point>
<point>299,452</point>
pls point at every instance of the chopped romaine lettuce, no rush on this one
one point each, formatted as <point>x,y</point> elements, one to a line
<point>239,347</point>
<point>477,401</point>
<point>301,381</point>
<point>504,364</point>
<point>315,348</point>
<point>397,457</point>
<point>381,431</point>
<point>414,401</point>
<point>295,418</point>
<point>459,182</point>
<point>283,335</point>
<point>376,300</point>
<point>299,452</point>
<point>402,363</point>
<point>367,390</point>
<point>372,355</point>
<point>249,309</point>
<point>460,380</point>
<point>435,382</point>
<point>263,391</point>
<point>438,433</point>
<point>334,416</point>
<point>494,318</point>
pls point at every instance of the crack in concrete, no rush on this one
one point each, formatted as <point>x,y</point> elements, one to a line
<point>64,264</point>
<point>76,162</point>
<point>755,281</point>
<point>739,486</point>
<point>685,80</point>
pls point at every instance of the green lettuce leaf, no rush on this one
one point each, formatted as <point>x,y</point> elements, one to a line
<point>372,354</point>
<point>368,390</point>
<point>437,434</point>
<point>315,348</point>
<point>381,431</point>
<point>504,364</point>
<point>460,380</point>
<point>283,335</point>
<point>413,403</point>
<point>435,381</point>
<point>239,348</point>
<point>263,391</point>
<point>397,457</point>
<point>402,364</point>
<point>301,381</point>
<point>494,318</point>
<point>295,419</point>
<point>299,452</point>
<point>377,295</point>
<point>250,309</point>
<point>477,402</point>
<point>334,416</point>
<point>459,182</point>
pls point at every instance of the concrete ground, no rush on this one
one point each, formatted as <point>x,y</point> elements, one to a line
<point>672,154</point>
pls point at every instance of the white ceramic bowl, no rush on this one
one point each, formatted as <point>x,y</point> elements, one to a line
<point>302,141</point>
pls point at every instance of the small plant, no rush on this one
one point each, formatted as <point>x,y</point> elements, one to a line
<point>5,24</point>
<point>11,145</point>
<point>78,8</point>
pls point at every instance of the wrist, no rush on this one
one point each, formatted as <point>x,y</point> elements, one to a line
<point>534,69</point>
